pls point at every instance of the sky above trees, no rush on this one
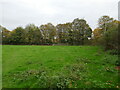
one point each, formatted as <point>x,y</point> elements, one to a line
<point>14,13</point>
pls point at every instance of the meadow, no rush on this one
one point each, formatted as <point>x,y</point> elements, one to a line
<point>31,66</point>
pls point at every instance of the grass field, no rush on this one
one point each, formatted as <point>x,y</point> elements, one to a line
<point>58,67</point>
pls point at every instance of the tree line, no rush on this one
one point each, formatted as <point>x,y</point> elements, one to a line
<point>77,32</point>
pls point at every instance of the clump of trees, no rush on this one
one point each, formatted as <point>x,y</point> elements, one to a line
<point>107,34</point>
<point>74,33</point>
<point>77,32</point>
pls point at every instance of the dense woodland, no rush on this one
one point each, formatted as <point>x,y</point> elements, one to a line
<point>77,32</point>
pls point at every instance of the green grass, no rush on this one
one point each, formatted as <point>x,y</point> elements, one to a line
<point>58,67</point>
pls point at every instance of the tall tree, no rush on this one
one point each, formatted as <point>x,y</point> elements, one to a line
<point>4,35</point>
<point>97,35</point>
<point>104,21</point>
<point>38,38</point>
<point>17,36</point>
<point>49,33</point>
<point>109,33</point>
<point>63,32</point>
<point>111,36</point>
<point>81,31</point>
<point>34,35</point>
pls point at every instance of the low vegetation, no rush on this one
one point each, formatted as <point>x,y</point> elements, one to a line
<point>58,67</point>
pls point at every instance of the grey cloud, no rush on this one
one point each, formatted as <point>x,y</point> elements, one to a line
<point>22,12</point>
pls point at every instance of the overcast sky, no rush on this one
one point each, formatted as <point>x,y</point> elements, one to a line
<point>14,13</point>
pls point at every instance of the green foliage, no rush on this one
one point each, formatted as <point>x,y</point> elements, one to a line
<point>17,36</point>
<point>49,33</point>
<point>5,35</point>
<point>107,33</point>
<point>33,35</point>
<point>109,60</point>
<point>104,22</point>
<point>81,31</point>
<point>85,60</point>
<point>42,78</point>
<point>73,33</point>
